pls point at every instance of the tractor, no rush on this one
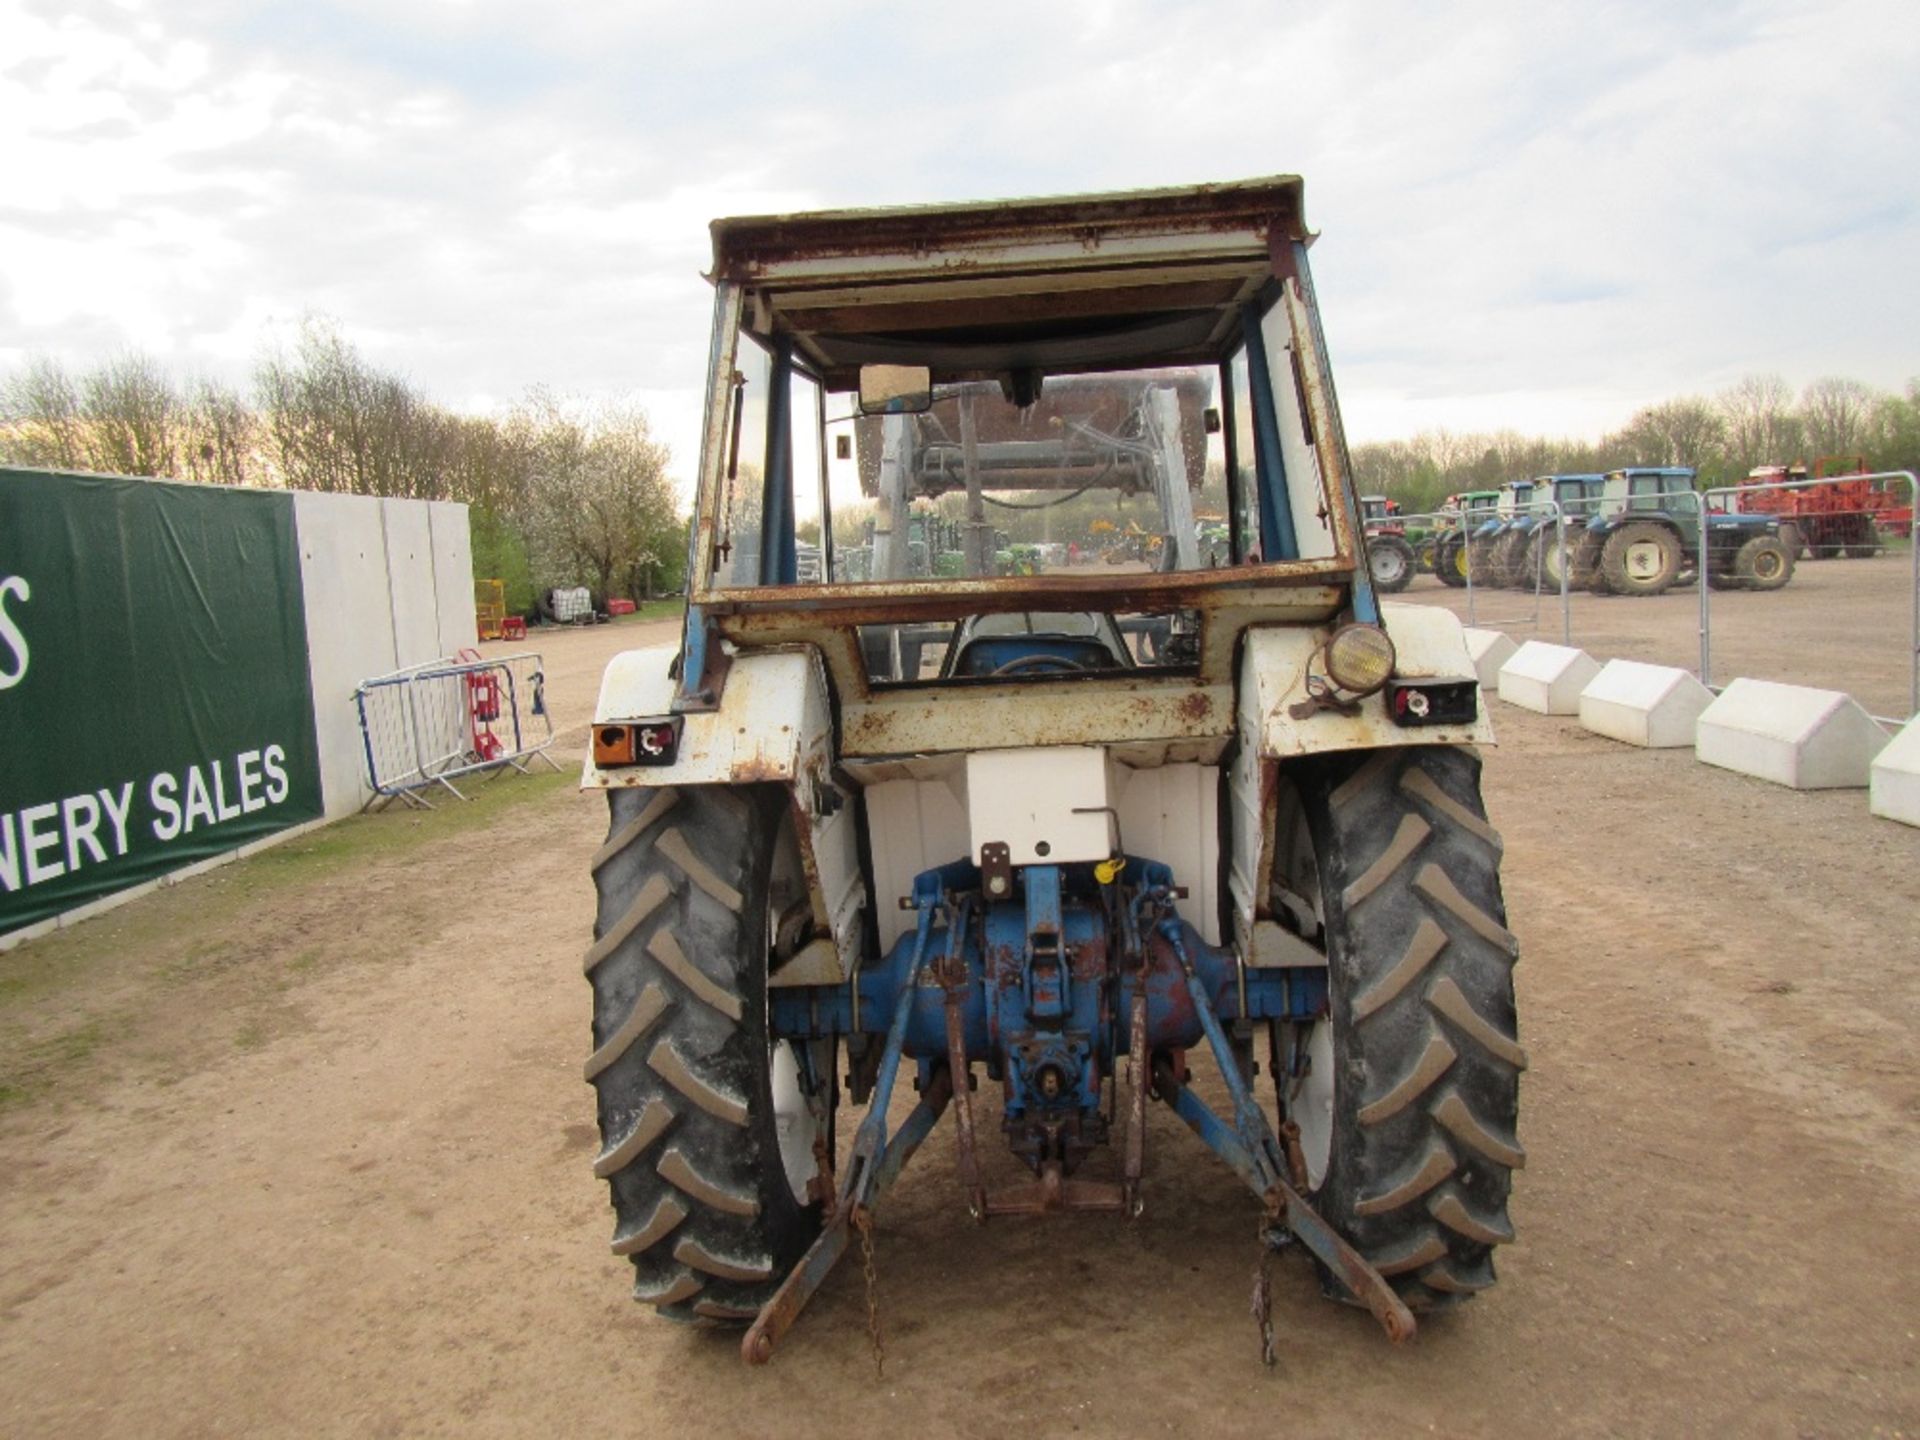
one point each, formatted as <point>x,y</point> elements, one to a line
<point>1390,557</point>
<point>1553,537</point>
<point>1201,829</point>
<point>1644,537</point>
<point>1498,547</point>
<point>1472,511</point>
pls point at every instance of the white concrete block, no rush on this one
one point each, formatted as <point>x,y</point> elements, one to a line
<point>1789,734</point>
<point>1490,650</point>
<point>1894,789</point>
<point>1547,678</point>
<point>1652,705</point>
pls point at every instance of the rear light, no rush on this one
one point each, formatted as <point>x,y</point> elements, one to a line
<point>1433,702</point>
<point>645,742</point>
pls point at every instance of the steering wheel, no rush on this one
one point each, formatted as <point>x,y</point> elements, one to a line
<point>1023,662</point>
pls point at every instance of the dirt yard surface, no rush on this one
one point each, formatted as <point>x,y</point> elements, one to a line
<point>302,1147</point>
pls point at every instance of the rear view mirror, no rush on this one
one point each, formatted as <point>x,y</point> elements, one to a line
<point>895,389</point>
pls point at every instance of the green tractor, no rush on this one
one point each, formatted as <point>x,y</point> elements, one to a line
<point>1452,550</point>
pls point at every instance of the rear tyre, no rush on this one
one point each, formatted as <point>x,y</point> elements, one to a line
<point>1407,1095</point>
<point>1763,563</point>
<point>1390,560</point>
<point>706,1139</point>
<point>1510,562</point>
<point>1640,558</point>
<point>1450,561</point>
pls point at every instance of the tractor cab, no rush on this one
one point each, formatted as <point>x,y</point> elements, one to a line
<point>1577,495</point>
<point>1509,505</point>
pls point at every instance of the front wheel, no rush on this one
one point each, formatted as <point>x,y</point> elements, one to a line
<point>1763,563</point>
<point>1407,1091</point>
<point>706,1133</point>
<point>1390,561</point>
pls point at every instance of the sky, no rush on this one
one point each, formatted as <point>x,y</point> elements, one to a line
<point>1536,216</point>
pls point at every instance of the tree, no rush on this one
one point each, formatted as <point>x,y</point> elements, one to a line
<point>219,437</point>
<point>132,417</point>
<point>334,422</point>
<point>41,406</point>
<point>599,506</point>
<point>1687,431</point>
<point>1761,426</point>
<point>1834,412</point>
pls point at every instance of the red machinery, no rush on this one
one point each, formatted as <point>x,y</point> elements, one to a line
<point>1835,512</point>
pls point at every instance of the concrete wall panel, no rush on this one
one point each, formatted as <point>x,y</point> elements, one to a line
<point>410,584</point>
<point>344,570</point>
<point>453,576</point>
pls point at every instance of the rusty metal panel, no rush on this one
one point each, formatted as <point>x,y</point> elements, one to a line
<point>1074,231</point>
<point>1081,712</point>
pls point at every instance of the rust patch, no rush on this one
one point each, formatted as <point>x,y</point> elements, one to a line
<point>1196,708</point>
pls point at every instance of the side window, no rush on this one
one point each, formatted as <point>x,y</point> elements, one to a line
<point>804,446</point>
<point>1246,480</point>
<point>746,457</point>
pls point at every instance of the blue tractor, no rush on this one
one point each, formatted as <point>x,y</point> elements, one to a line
<point>1194,825</point>
<point>1644,537</point>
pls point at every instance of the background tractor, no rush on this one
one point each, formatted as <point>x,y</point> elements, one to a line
<point>1390,557</point>
<point>1553,538</point>
<point>1198,824</point>
<point>1644,538</point>
<point>1472,511</point>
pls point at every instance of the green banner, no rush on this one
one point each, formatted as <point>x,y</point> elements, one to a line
<point>155,707</point>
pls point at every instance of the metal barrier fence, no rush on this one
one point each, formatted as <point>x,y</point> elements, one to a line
<point>1481,566</point>
<point>426,725</point>
<point>1448,538</point>
<point>1735,493</point>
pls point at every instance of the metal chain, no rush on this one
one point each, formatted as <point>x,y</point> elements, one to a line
<point>1262,1306</point>
<point>863,1222</point>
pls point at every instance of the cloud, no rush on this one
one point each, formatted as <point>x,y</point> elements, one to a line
<point>1535,216</point>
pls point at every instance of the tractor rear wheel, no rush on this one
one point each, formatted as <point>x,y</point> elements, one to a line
<point>1390,559</point>
<point>706,1135</point>
<point>1763,563</point>
<point>1450,560</point>
<point>1641,558</point>
<point>1512,563</point>
<point>1407,1094</point>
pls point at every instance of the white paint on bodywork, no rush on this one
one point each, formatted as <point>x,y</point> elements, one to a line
<point>916,819</point>
<point>1171,814</point>
<point>773,726</point>
<point>1048,806</point>
<point>1429,643</point>
<point>1280,329</point>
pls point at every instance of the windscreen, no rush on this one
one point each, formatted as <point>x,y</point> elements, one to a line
<point>1112,473</point>
<point>1108,473</point>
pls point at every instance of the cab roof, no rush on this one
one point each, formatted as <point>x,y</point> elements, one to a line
<point>1113,281</point>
